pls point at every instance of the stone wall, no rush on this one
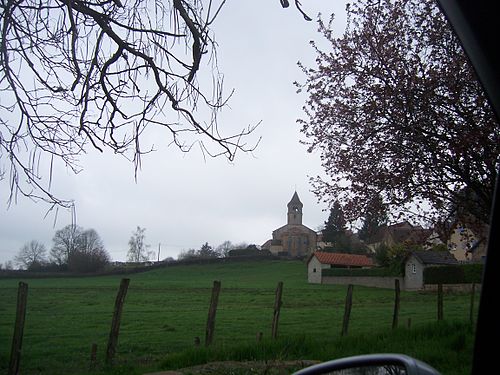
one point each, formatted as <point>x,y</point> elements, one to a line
<point>372,281</point>
<point>453,287</point>
<point>388,283</point>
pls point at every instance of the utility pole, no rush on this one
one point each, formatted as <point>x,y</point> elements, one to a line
<point>159,248</point>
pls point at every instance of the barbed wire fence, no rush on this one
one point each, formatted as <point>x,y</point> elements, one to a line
<point>73,326</point>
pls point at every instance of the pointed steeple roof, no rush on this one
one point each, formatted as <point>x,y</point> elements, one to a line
<point>295,201</point>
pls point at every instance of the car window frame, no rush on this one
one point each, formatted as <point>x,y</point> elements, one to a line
<point>476,28</point>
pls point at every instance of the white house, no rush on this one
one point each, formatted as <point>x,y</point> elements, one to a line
<point>417,261</point>
<point>319,261</point>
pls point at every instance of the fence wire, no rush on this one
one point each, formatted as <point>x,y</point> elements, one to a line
<point>157,321</point>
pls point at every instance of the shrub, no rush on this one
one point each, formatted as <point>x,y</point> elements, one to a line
<point>460,274</point>
<point>377,271</point>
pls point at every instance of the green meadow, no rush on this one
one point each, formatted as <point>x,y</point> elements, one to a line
<point>165,309</point>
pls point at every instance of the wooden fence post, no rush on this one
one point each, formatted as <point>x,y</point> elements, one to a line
<point>115,323</point>
<point>209,333</point>
<point>17,338</point>
<point>277,309</point>
<point>440,302</point>
<point>93,356</point>
<point>395,316</point>
<point>347,310</point>
<point>472,296</point>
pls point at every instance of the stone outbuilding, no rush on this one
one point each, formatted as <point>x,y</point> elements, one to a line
<point>417,261</point>
<point>293,239</point>
<point>320,260</point>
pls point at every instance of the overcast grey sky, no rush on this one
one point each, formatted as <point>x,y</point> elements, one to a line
<point>181,199</point>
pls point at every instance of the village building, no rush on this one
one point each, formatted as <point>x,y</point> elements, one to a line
<point>467,242</point>
<point>417,261</point>
<point>320,260</point>
<point>399,233</point>
<point>293,239</point>
<point>435,239</point>
<point>415,264</point>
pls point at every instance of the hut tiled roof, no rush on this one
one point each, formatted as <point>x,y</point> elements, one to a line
<point>341,259</point>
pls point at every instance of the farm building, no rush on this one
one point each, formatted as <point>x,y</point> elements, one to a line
<point>319,261</point>
<point>417,261</point>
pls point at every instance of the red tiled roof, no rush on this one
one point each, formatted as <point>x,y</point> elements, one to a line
<point>341,259</point>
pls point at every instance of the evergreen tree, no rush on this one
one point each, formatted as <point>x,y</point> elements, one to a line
<point>335,230</point>
<point>376,215</point>
<point>207,251</point>
<point>335,225</point>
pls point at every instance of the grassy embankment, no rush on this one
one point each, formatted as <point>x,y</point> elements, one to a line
<point>167,308</point>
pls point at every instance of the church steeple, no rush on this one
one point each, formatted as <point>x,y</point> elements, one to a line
<point>295,210</point>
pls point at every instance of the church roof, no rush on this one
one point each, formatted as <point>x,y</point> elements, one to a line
<point>293,228</point>
<point>295,201</point>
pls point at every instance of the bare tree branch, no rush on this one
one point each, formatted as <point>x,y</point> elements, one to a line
<point>78,75</point>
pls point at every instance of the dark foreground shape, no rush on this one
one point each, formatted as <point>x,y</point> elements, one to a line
<point>376,364</point>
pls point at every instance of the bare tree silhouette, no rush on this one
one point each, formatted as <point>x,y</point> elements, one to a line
<point>82,74</point>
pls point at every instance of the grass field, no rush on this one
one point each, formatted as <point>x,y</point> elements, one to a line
<point>166,309</point>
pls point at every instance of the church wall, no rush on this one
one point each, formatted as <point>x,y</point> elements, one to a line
<point>294,238</point>
<point>298,241</point>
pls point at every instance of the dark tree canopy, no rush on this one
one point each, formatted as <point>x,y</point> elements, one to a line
<point>78,250</point>
<point>66,241</point>
<point>90,255</point>
<point>206,251</point>
<point>335,226</point>
<point>395,109</point>
<point>78,75</point>
<point>375,216</point>
<point>336,235</point>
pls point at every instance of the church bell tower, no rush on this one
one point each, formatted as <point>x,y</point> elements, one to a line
<point>295,210</point>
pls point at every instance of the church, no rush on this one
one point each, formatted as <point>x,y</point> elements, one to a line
<point>293,239</point>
